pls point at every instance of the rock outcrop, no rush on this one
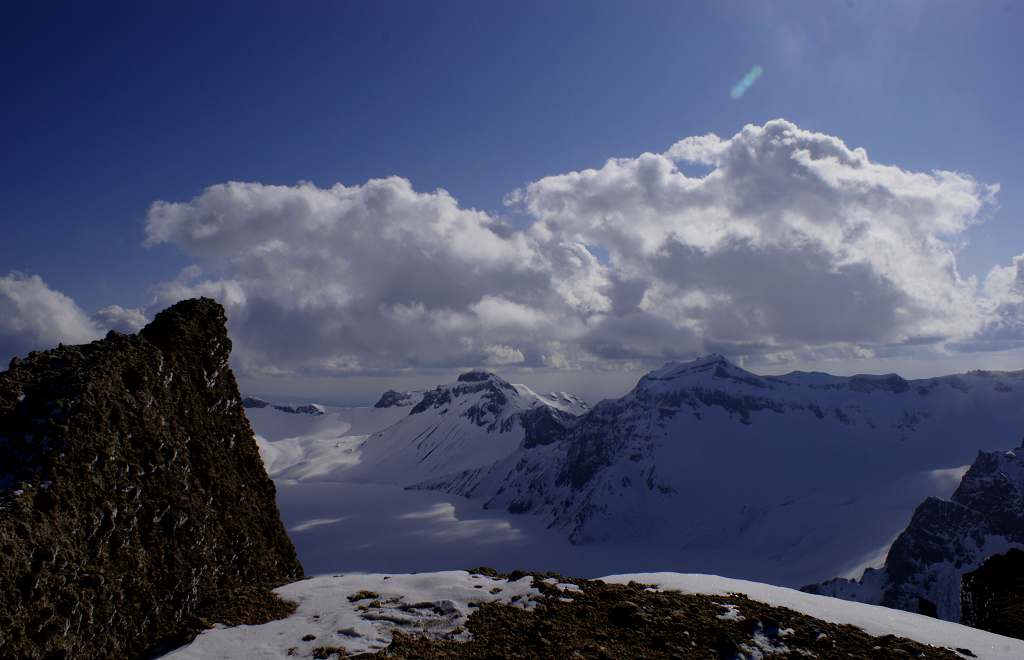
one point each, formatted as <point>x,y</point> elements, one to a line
<point>134,507</point>
<point>990,597</point>
<point>304,409</point>
<point>393,398</point>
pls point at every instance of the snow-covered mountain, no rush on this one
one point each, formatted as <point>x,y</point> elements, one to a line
<point>473,422</point>
<point>789,479</point>
<point>393,399</point>
<point>563,401</point>
<point>945,540</point>
<point>250,402</point>
<point>407,437</point>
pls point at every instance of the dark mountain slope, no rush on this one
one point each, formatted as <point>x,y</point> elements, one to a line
<point>990,597</point>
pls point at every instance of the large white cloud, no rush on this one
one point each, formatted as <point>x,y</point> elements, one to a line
<point>792,244</point>
<point>33,317</point>
<point>120,319</point>
<point>1004,296</point>
<point>376,276</point>
<point>792,240</point>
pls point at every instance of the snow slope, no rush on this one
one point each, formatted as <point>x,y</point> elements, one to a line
<point>407,437</point>
<point>563,401</point>
<point>473,422</point>
<point>438,603</point>
<point>316,447</point>
<point>791,479</point>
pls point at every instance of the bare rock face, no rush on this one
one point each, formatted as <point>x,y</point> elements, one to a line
<point>990,597</point>
<point>393,398</point>
<point>134,508</point>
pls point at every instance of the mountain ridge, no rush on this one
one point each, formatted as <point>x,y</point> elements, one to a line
<point>472,422</point>
<point>693,455</point>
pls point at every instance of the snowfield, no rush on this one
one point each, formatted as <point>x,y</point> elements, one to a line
<point>316,447</point>
<point>439,603</point>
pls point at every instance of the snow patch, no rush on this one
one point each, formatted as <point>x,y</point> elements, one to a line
<point>315,522</point>
<point>359,612</point>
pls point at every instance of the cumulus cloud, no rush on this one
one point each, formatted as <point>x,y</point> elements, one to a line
<point>1004,297</point>
<point>375,276</point>
<point>792,240</point>
<point>792,244</point>
<point>120,319</point>
<point>33,316</point>
<point>503,355</point>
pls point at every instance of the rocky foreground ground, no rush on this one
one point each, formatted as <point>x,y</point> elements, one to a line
<point>599,620</point>
<point>485,614</point>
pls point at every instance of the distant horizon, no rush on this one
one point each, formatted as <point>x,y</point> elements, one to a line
<point>618,383</point>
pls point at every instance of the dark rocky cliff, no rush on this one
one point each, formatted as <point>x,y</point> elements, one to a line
<point>134,508</point>
<point>990,597</point>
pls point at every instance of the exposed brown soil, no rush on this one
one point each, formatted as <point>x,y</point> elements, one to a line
<point>634,621</point>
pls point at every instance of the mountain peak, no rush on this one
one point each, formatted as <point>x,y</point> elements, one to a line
<point>713,362</point>
<point>492,389</point>
<point>315,409</point>
<point>393,398</point>
<point>711,358</point>
<point>475,376</point>
<point>478,378</point>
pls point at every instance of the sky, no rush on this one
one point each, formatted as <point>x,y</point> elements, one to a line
<point>385,193</point>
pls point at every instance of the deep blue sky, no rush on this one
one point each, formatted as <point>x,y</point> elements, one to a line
<point>110,106</point>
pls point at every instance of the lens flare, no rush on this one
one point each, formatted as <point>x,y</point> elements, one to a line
<point>740,88</point>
